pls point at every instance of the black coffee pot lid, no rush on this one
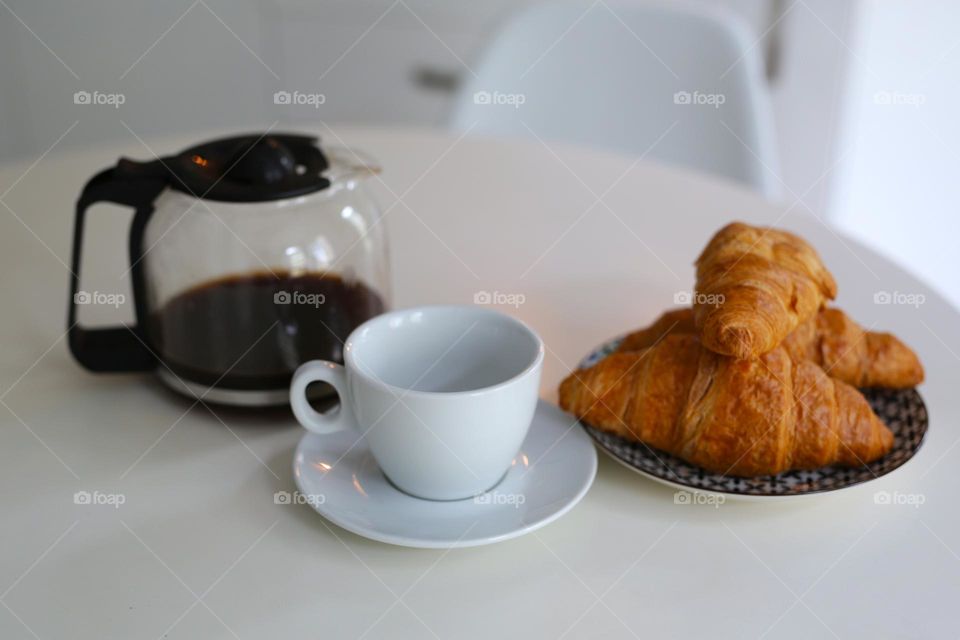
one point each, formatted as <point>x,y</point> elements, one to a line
<point>247,168</point>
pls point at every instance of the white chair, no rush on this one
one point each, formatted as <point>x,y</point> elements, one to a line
<point>681,84</point>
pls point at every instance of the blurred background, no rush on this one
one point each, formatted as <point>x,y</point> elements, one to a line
<point>840,108</point>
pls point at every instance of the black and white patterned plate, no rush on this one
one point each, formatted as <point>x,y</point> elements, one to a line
<point>900,409</point>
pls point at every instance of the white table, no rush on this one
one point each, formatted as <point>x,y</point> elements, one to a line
<point>597,245</point>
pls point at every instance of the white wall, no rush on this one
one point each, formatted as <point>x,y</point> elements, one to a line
<point>807,95</point>
<point>185,66</point>
<point>197,76</point>
<point>197,73</point>
<point>897,189</point>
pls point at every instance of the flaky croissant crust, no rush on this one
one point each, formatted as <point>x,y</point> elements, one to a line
<point>754,286</point>
<point>736,417</point>
<point>830,339</point>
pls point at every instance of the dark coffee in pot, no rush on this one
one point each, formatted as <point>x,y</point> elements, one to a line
<point>252,331</point>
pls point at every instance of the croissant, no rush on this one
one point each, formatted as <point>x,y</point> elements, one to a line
<point>675,321</point>
<point>850,353</point>
<point>754,286</point>
<point>736,417</point>
<point>830,339</point>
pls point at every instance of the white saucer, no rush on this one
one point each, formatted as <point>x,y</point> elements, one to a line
<point>555,467</point>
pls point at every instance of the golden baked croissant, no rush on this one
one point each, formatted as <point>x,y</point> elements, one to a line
<point>671,322</point>
<point>831,339</point>
<point>848,352</point>
<point>754,286</point>
<point>736,417</point>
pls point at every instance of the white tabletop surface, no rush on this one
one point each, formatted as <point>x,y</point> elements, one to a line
<point>596,244</point>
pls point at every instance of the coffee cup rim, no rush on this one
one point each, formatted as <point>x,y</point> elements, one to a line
<point>354,369</point>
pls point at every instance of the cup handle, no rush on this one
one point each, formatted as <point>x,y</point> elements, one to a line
<point>337,419</point>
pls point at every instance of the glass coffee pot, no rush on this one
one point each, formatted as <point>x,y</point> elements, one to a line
<point>249,256</point>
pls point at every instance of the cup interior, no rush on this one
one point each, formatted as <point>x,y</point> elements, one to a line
<point>442,349</point>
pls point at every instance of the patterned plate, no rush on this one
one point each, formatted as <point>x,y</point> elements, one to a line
<point>900,409</point>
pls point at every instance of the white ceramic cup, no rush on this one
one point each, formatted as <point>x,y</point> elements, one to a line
<point>444,396</point>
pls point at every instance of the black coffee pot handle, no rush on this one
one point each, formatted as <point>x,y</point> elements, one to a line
<point>121,348</point>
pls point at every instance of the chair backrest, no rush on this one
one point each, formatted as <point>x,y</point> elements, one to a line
<point>681,84</point>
